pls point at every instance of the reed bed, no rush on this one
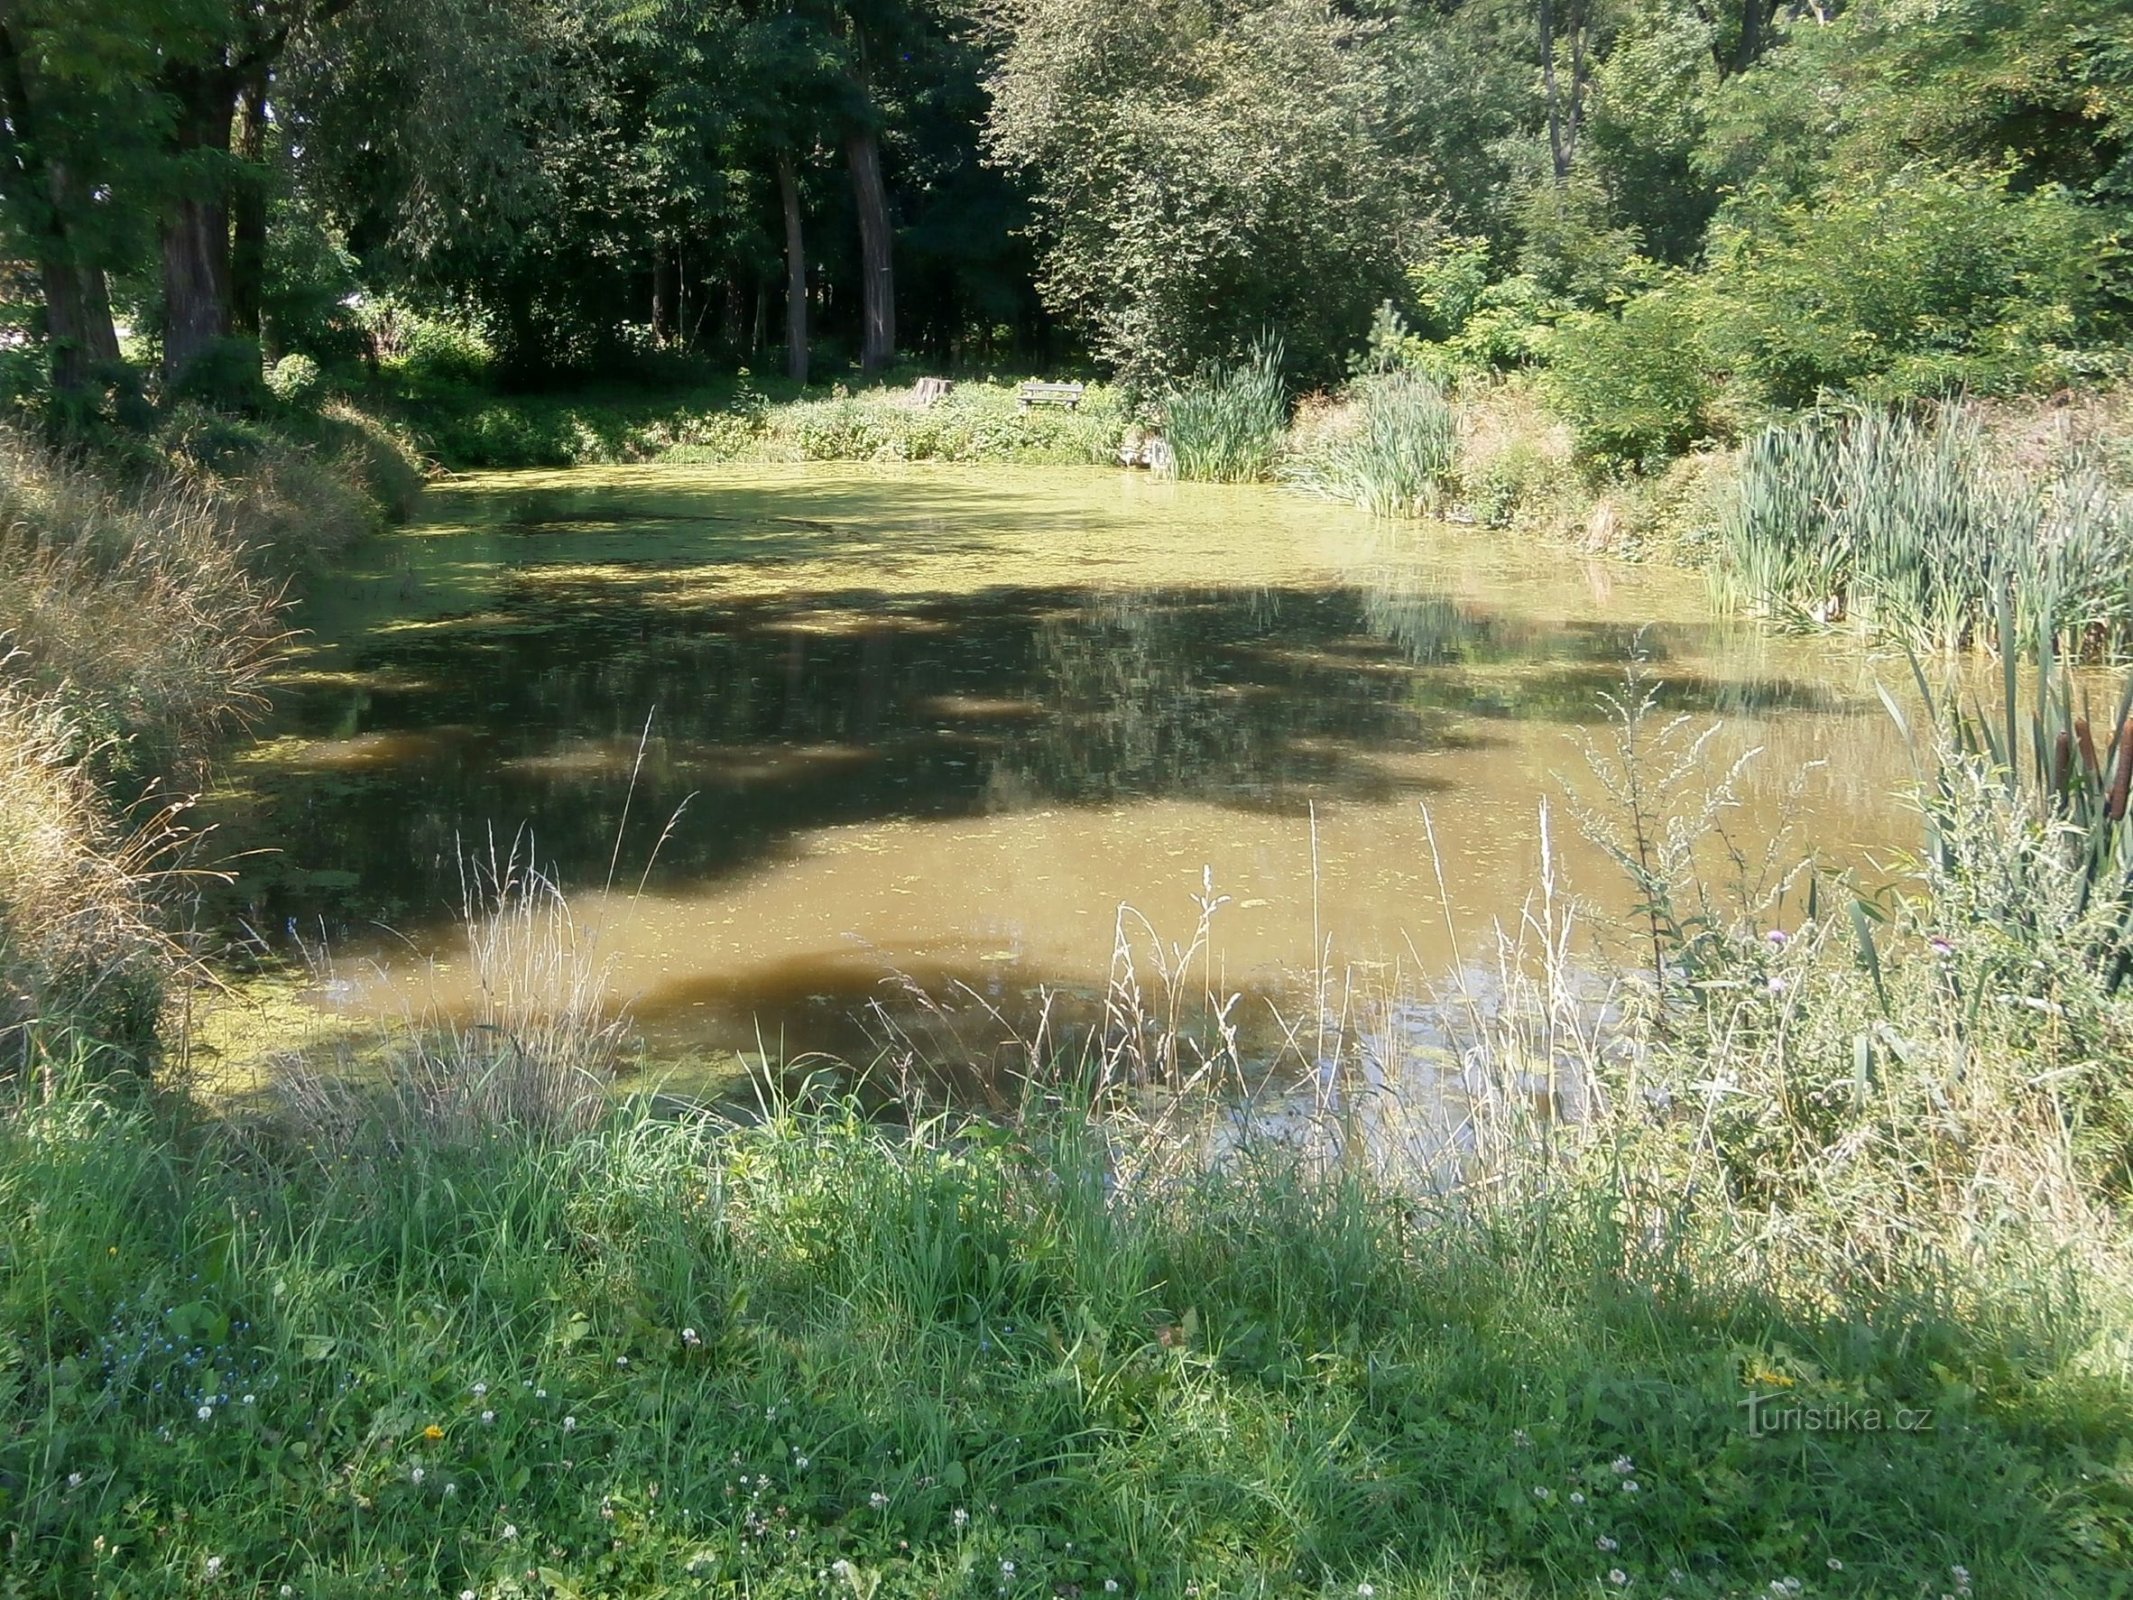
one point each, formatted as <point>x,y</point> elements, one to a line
<point>1227,426</point>
<point>1907,526</point>
<point>1390,447</point>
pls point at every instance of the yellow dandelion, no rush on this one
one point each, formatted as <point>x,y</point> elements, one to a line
<point>433,1432</point>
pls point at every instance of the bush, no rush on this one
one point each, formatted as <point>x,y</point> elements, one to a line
<point>1515,464</point>
<point>1925,284</point>
<point>423,346</point>
<point>295,380</point>
<point>1633,385</point>
<point>227,375</point>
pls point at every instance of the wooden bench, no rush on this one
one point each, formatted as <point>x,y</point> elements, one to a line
<point>1050,394</point>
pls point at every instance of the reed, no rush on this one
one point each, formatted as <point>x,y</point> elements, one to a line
<point>1906,525</point>
<point>1391,450</point>
<point>1227,425</point>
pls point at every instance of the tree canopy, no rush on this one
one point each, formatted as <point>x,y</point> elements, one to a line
<point>1880,196</point>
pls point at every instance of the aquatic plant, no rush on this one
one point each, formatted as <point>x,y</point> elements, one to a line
<point>1226,426</point>
<point>1905,524</point>
<point>1391,452</point>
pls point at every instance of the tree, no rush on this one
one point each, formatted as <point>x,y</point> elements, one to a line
<point>79,120</point>
<point>1201,176</point>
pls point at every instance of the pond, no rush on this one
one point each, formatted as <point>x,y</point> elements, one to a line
<point>936,726</point>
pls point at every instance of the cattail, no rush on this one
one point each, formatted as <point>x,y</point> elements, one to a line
<point>2088,751</point>
<point>2115,807</point>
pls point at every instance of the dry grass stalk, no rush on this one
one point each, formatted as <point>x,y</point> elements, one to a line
<point>535,1055</point>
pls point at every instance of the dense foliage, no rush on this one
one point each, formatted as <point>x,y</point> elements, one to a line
<point>1693,215</point>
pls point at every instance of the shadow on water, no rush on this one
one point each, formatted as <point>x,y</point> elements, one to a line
<point>809,710</point>
<point>943,725</point>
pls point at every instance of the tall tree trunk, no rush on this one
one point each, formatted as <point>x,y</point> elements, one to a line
<point>733,316</point>
<point>877,275</point>
<point>1557,151</point>
<point>77,323</point>
<point>77,304</point>
<point>1564,110</point>
<point>666,290</point>
<point>1754,18</point>
<point>248,211</point>
<point>795,271</point>
<point>196,228</point>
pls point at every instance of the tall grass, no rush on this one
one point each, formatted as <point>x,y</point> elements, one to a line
<point>140,607</point>
<point>534,1056</point>
<point>1908,526</point>
<point>1227,425</point>
<point>1390,448</point>
<point>132,608</point>
<point>80,951</point>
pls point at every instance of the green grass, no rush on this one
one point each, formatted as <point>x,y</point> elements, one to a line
<point>733,419</point>
<point>672,1357</point>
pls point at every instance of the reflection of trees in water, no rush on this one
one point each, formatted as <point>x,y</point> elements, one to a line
<point>814,711</point>
<point>1237,697</point>
<point>1430,627</point>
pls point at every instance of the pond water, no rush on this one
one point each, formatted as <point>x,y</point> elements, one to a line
<point>850,724</point>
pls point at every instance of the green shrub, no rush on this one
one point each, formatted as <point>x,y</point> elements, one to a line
<point>839,430</point>
<point>1228,426</point>
<point>1633,384</point>
<point>1924,284</point>
<point>227,375</point>
<point>424,346</point>
<point>295,380</point>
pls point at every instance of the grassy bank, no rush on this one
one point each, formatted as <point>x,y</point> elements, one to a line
<point>819,1356</point>
<point>731,419</point>
<point>141,590</point>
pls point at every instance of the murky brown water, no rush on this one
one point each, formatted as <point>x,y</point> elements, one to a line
<point>943,723</point>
